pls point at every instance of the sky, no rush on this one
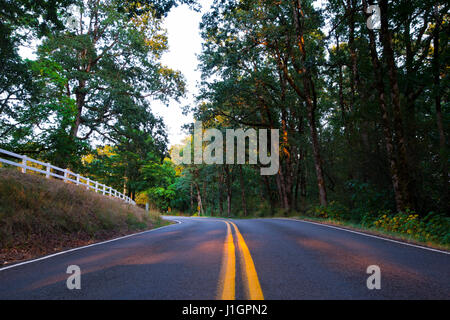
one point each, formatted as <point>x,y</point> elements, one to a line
<point>182,25</point>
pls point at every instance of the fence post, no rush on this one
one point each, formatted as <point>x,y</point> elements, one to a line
<point>96,186</point>
<point>65,175</point>
<point>47,175</point>
<point>24,162</point>
<point>78,179</point>
<point>104,189</point>
<point>88,183</point>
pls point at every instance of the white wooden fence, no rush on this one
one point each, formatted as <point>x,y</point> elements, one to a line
<point>68,175</point>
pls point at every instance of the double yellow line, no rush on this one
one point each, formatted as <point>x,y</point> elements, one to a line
<point>228,274</point>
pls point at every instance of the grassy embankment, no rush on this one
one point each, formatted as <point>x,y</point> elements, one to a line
<point>40,216</point>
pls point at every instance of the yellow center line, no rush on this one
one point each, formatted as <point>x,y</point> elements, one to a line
<point>228,272</point>
<point>249,271</point>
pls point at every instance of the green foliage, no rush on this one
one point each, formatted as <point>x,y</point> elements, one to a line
<point>20,22</point>
<point>334,211</point>
<point>431,228</point>
<point>159,179</point>
<point>366,200</point>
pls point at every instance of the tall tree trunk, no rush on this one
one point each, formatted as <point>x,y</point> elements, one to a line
<point>310,98</point>
<point>192,197</point>
<point>220,190</point>
<point>269,193</point>
<point>317,158</point>
<point>354,75</point>
<point>244,202</point>
<point>286,169</point>
<point>388,137</point>
<point>343,107</point>
<point>303,175</point>
<point>403,163</point>
<point>204,203</point>
<point>125,181</point>
<point>229,189</point>
<point>437,87</point>
<point>199,200</point>
<point>294,203</point>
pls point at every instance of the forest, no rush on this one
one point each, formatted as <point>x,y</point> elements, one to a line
<point>358,90</point>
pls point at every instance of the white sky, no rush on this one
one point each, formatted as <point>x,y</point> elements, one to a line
<point>182,25</point>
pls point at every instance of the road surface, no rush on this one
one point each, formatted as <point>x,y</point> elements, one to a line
<point>207,258</point>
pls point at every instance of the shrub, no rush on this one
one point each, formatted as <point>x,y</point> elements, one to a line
<point>262,209</point>
<point>366,200</point>
<point>433,227</point>
<point>334,211</point>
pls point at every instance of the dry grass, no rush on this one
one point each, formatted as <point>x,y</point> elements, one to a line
<point>40,216</point>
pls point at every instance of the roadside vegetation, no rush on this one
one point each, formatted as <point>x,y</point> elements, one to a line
<point>432,230</point>
<point>40,216</point>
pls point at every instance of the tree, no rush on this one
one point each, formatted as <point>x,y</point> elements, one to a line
<point>108,65</point>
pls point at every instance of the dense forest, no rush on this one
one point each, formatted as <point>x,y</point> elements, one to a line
<point>359,92</point>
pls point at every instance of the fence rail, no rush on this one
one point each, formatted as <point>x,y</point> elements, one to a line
<point>67,176</point>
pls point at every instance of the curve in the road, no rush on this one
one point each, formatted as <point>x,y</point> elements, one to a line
<point>206,258</point>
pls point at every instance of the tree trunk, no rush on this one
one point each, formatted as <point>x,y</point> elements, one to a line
<point>125,181</point>
<point>192,197</point>
<point>309,96</point>
<point>269,193</point>
<point>229,189</point>
<point>437,87</point>
<point>204,203</point>
<point>244,202</point>
<point>403,163</point>
<point>317,159</point>
<point>388,137</point>
<point>199,200</point>
<point>220,190</point>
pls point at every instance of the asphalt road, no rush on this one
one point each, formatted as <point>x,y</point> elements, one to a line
<point>205,258</point>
